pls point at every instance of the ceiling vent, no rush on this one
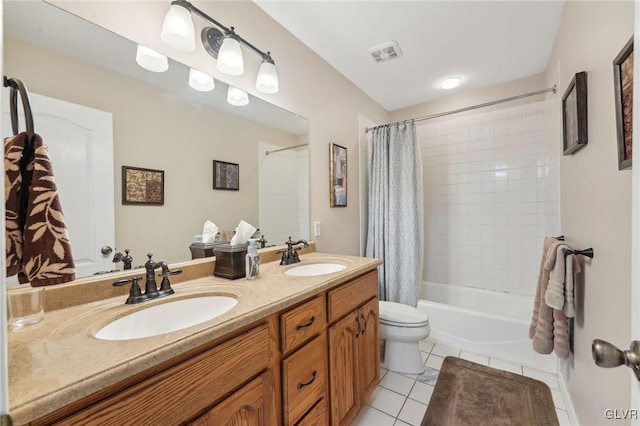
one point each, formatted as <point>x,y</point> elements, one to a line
<point>386,51</point>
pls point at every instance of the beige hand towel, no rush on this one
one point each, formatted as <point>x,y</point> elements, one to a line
<point>549,327</point>
<point>573,268</point>
<point>554,295</point>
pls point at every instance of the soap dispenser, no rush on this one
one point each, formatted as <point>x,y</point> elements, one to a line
<point>252,261</point>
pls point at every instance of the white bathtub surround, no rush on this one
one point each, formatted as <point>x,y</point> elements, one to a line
<point>491,195</point>
<point>482,322</point>
<point>395,212</point>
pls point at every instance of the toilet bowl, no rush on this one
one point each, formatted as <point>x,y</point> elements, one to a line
<point>401,328</point>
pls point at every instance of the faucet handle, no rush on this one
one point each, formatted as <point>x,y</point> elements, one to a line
<point>135,294</point>
<point>165,285</point>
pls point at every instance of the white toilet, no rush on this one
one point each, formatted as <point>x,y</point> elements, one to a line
<point>402,327</point>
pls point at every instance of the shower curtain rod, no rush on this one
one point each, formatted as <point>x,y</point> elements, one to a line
<point>553,89</point>
<point>285,149</point>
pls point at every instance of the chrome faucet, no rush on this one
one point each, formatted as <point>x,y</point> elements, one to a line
<point>290,255</point>
<point>151,290</point>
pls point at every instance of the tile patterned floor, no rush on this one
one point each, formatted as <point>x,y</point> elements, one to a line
<point>402,399</point>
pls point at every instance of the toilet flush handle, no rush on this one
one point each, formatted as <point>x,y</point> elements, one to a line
<point>607,355</point>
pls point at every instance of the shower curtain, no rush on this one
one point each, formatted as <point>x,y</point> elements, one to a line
<point>395,212</point>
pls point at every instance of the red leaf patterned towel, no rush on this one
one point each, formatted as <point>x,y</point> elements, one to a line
<point>37,245</point>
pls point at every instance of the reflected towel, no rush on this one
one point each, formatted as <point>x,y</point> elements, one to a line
<point>37,245</point>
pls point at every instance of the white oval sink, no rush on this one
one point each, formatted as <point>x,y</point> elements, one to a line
<point>167,317</point>
<point>314,269</point>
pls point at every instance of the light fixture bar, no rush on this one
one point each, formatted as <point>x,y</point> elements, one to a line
<point>227,31</point>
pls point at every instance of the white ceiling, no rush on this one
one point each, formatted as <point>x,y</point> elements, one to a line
<point>484,42</point>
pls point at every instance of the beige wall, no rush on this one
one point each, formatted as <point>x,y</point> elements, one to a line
<point>308,86</point>
<point>153,130</point>
<point>596,203</point>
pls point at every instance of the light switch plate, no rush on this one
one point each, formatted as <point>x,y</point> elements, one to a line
<point>317,229</point>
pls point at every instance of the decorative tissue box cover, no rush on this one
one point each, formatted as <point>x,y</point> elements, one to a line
<point>230,260</point>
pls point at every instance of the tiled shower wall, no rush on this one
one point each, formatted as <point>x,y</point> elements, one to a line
<point>491,194</point>
<point>283,193</point>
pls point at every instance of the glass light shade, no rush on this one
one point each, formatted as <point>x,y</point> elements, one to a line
<point>237,97</point>
<point>230,57</point>
<point>200,81</point>
<point>177,29</point>
<point>151,60</point>
<point>267,81</point>
<point>450,83</point>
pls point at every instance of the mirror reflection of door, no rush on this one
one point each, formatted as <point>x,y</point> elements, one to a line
<point>80,141</point>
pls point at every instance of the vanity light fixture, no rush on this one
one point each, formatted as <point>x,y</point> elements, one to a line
<point>220,42</point>
<point>151,60</point>
<point>237,97</point>
<point>450,83</point>
<point>200,81</point>
<point>177,29</point>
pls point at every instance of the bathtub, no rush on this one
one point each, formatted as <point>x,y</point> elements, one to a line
<point>484,322</point>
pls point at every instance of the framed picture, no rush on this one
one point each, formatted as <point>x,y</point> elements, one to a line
<point>142,186</point>
<point>574,114</point>
<point>338,175</point>
<point>226,175</point>
<point>623,83</point>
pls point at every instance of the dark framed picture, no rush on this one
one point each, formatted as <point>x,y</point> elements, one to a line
<point>338,175</point>
<point>142,186</point>
<point>574,114</point>
<point>623,83</point>
<point>226,175</point>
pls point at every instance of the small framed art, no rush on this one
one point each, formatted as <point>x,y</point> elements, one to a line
<point>574,114</point>
<point>623,85</point>
<point>226,175</point>
<point>338,175</point>
<point>142,186</point>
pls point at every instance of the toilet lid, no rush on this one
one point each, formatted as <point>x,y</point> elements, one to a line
<point>399,314</point>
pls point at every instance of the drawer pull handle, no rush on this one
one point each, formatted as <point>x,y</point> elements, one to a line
<point>360,331</point>
<point>313,378</point>
<point>365,323</point>
<point>307,324</point>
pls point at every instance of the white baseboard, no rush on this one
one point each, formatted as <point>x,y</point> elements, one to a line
<point>571,412</point>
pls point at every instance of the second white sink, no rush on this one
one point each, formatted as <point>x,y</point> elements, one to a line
<point>314,269</point>
<point>167,317</point>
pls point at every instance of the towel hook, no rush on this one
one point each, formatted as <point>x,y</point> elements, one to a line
<point>17,86</point>
<point>586,252</point>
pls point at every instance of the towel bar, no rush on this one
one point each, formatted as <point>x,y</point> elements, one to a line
<point>586,252</point>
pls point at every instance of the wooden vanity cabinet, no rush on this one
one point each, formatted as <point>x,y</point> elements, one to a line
<point>354,355</point>
<point>313,364</point>
<point>304,364</point>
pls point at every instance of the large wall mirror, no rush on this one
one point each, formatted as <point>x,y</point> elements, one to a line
<point>157,122</point>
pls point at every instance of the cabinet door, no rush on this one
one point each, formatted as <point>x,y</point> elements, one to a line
<point>343,364</point>
<point>368,349</point>
<point>249,406</point>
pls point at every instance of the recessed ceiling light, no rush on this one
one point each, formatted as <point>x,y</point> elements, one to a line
<point>450,83</point>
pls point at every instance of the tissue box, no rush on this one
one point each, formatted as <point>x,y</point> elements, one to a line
<point>200,250</point>
<point>230,260</point>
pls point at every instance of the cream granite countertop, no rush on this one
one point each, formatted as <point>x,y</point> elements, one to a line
<point>58,361</point>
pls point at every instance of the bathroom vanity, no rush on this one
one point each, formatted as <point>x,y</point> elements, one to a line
<point>294,350</point>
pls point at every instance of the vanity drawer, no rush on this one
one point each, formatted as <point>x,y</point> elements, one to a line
<point>181,392</point>
<point>304,379</point>
<point>316,416</point>
<point>348,297</point>
<point>301,323</point>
